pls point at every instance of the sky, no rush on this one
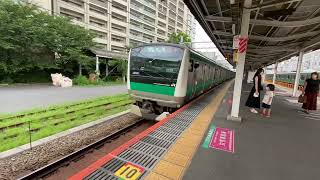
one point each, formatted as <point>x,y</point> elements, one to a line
<point>206,45</point>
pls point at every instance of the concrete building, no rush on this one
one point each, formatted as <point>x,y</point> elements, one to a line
<point>311,61</point>
<point>122,23</point>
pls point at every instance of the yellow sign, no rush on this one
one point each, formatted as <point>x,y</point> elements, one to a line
<point>129,172</point>
<point>235,56</point>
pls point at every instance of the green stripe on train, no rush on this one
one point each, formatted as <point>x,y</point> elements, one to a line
<point>152,88</point>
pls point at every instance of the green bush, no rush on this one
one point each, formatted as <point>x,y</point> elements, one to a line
<point>7,80</point>
<point>81,81</point>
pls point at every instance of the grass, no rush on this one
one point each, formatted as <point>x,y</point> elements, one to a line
<point>14,128</point>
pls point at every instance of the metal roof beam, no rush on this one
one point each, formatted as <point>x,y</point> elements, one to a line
<point>286,38</point>
<point>274,3</point>
<point>275,23</point>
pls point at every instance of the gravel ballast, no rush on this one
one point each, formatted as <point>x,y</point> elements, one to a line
<point>27,161</point>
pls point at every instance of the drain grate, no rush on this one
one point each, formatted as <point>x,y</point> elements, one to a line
<point>136,157</point>
<point>169,131</point>
<point>100,175</point>
<point>162,135</point>
<point>113,165</point>
<point>180,123</point>
<point>173,126</point>
<point>157,142</point>
<point>148,149</point>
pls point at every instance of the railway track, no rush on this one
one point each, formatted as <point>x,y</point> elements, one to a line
<point>66,160</point>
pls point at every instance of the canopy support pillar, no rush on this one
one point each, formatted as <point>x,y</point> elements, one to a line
<point>297,79</point>
<point>275,71</point>
<point>234,116</point>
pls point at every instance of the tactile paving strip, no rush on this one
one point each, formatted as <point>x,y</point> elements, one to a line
<point>149,150</point>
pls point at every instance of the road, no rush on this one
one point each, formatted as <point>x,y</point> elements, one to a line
<point>24,97</point>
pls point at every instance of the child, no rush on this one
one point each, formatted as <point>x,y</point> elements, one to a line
<point>267,100</point>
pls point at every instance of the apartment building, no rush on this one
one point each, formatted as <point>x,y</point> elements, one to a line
<point>122,23</point>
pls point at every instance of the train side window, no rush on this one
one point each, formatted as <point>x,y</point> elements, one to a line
<point>196,65</point>
<point>191,65</point>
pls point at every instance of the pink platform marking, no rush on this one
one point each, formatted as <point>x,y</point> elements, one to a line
<point>223,139</point>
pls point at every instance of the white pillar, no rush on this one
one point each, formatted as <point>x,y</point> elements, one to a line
<point>275,71</point>
<point>240,65</point>
<point>80,69</point>
<point>297,79</point>
<point>97,65</point>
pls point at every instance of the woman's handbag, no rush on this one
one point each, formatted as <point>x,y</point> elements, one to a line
<point>302,99</point>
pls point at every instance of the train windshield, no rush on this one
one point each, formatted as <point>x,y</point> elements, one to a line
<point>155,64</point>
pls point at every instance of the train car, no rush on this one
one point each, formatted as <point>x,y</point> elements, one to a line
<point>163,77</point>
<point>289,77</point>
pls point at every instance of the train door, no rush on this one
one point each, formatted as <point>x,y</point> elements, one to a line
<point>192,78</point>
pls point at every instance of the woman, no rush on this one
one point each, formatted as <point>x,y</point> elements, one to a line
<point>253,100</point>
<point>311,91</point>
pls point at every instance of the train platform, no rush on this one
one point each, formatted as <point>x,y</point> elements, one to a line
<point>197,142</point>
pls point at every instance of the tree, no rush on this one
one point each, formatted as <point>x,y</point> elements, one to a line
<point>175,37</point>
<point>121,66</point>
<point>30,38</point>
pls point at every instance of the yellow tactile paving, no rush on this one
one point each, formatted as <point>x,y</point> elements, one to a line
<point>178,157</point>
<point>155,176</point>
<point>168,169</point>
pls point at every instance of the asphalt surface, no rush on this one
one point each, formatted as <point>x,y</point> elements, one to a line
<point>283,147</point>
<point>25,97</point>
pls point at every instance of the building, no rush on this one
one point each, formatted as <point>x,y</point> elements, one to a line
<point>311,61</point>
<point>120,24</point>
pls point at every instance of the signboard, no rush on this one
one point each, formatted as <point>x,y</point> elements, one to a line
<point>129,172</point>
<point>223,139</point>
<point>243,42</point>
<point>235,44</point>
<point>235,56</point>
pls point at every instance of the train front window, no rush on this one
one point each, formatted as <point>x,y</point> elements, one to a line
<point>156,63</point>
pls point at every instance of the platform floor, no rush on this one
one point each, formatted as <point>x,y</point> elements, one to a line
<point>283,147</point>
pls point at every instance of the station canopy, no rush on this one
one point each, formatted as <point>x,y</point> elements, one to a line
<point>278,29</point>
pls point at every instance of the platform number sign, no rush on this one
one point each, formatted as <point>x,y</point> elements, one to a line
<point>129,172</point>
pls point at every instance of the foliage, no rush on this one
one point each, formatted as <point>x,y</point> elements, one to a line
<point>175,37</point>
<point>30,38</point>
<point>84,81</point>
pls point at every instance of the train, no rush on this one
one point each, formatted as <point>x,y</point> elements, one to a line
<point>163,77</point>
<point>289,77</point>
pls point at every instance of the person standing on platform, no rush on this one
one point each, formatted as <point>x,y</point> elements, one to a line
<point>311,91</point>
<point>253,100</point>
<point>267,100</point>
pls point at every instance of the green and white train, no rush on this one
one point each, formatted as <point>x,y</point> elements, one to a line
<point>163,77</point>
<point>289,77</point>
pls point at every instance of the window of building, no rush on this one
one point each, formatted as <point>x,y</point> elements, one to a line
<point>118,39</point>
<point>102,46</point>
<point>78,3</point>
<point>98,22</point>
<point>119,17</point>
<point>102,3</point>
<point>119,6</point>
<point>72,14</point>
<point>99,34</point>
<point>161,32</point>
<point>149,28</point>
<point>117,49</point>
<point>98,10</point>
<point>179,25</point>
<point>150,20</point>
<point>161,16</point>
<point>161,24</point>
<point>160,40</point>
<point>134,33</point>
<point>118,28</point>
<point>181,5</point>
